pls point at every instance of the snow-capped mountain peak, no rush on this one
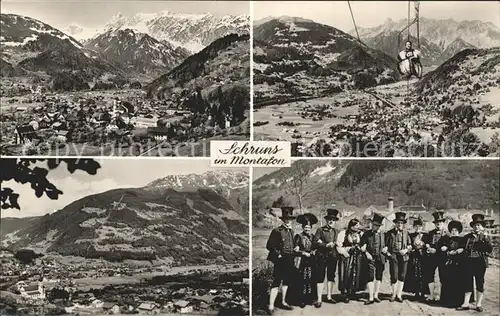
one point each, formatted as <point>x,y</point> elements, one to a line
<point>229,180</point>
<point>442,32</point>
<point>20,30</point>
<point>191,31</point>
<point>286,18</point>
<point>136,51</point>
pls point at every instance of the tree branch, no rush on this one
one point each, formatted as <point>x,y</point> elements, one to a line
<point>25,171</point>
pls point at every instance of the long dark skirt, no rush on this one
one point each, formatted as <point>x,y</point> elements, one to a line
<point>415,276</point>
<point>351,276</point>
<point>452,290</point>
<point>304,287</point>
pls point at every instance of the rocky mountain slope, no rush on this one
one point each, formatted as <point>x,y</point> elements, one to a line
<point>219,74</point>
<point>390,44</point>
<point>472,72</point>
<point>190,31</point>
<point>231,185</point>
<point>453,48</point>
<point>439,39</point>
<point>438,184</point>
<point>442,32</point>
<point>299,57</point>
<point>33,46</point>
<point>137,52</point>
<point>188,225</point>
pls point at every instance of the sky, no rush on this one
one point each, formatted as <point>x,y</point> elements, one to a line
<point>113,174</point>
<point>93,14</point>
<point>374,13</point>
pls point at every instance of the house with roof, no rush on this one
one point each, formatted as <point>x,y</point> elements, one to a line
<point>148,308</point>
<point>97,303</point>
<point>111,308</point>
<point>158,133</point>
<point>33,291</point>
<point>183,307</point>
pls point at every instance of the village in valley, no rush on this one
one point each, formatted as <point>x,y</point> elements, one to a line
<point>126,242</point>
<point>53,285</point>
<point>124,122</point>
<point>138,84</point>
<point>335,91</point>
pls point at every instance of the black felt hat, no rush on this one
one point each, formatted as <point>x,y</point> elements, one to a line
<point>377,219</point>
<point>438,217</point>
<point>400,217</point>
<point>287,212</point>
<point>332,213</point>
<point>455,224</point>
<point>478,218</point>
<point>307,219</point>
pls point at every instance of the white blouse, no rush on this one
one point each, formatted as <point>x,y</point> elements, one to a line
<point>340,241</point>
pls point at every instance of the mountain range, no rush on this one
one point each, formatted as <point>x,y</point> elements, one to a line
<point>359,184</point>
<point>187,219</point>
<point>190,31</point>
<point>299,57</point>
<point>439,39</point>
<point>143,47</point>
<point>225,62</point>
<point>137,52</point>
<point>31,46</point>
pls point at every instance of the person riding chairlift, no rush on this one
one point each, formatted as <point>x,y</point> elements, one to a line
<point>409,61</point>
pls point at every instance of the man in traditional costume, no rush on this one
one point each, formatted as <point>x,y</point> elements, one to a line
<point>376,251</point>
<point>281,253</point>
<point>325,241</point>
<point>477,248</point>
<point>399,245</point>
<point>435,253</point>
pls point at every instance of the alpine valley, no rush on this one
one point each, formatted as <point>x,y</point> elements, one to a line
<point>192,219</point>
<point>331,94</point>
<point>180,240</point>
<point>149,79</point>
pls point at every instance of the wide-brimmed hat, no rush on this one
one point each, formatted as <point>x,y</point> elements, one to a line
<point>400,217</point>
<point>377,219</point>
<point>438,217</point>
<point>307,219</point>
<point>418,222</point>
<point>455,224</point>
<point>478,218</point>
<point>332,213</point>
<point>489,222</point>
<point>287,212</point>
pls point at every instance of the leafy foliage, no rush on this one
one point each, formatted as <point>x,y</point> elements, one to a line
<point>28,171</point>
<point>26,256</point>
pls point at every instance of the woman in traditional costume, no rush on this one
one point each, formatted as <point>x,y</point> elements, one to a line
<point>306,283</point>
<point>351,279</point>
<point>415,276</point>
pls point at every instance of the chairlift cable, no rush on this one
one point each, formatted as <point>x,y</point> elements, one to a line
<point>354,22</point>
<point>409,3</point>
<point>417,18</point>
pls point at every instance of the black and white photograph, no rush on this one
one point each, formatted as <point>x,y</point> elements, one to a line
<point>120,236</point>
<point>123,78</point>
<point>378,78</point>
<point>376,237</point>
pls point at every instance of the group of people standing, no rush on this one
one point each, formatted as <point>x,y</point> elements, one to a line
<point>303,261</point>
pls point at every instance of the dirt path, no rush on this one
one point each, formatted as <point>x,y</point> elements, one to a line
<point>408,308</point>
<point>491,301</point>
